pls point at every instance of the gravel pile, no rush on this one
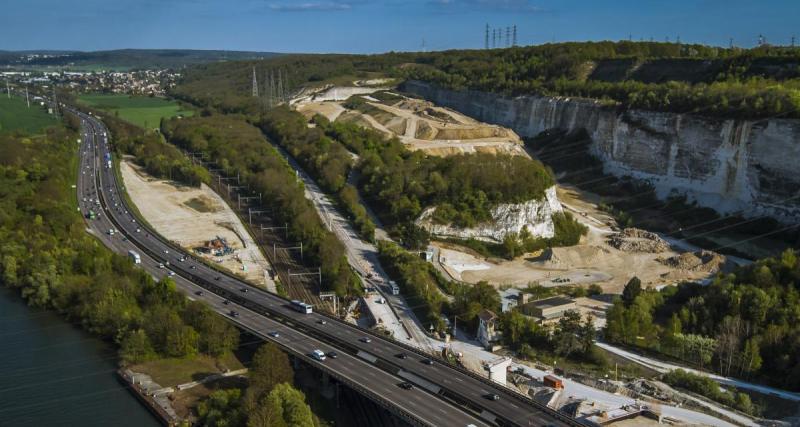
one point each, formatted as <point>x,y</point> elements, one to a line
<point>636,240</point>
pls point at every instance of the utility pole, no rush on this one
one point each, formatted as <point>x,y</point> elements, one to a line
<point>486,38</point>
<point>27,99</point>
<point>494,38</point>
<point>730,43</point>
<point>514,43</point>
<point>255,84</point>
<point>280,86</point>
<point>423,44</point>
<point>508,36</point>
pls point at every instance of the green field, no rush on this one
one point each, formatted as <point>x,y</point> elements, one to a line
<point>15,115</point>
<point>142,111</point>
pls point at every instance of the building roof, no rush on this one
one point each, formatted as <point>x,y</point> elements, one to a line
<point>551,302</point>
<point>487,315</point>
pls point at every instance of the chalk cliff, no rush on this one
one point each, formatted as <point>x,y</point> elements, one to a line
<point>734,166</point>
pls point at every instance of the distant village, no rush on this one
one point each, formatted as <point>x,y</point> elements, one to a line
<point>143,82</point>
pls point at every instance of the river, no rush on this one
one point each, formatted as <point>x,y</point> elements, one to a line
<point>53,373</point>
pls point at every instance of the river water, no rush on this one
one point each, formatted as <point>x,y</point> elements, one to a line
<point>54,374</point>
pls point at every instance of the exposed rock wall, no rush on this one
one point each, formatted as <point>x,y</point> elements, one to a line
<point>536,215</point>
<point>730,165</point>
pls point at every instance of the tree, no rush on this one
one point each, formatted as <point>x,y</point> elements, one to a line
<point>632,290</point>
<point>270,367</point>
<point>136,347</point>
<point>285,406</point>
<point>222,408</point>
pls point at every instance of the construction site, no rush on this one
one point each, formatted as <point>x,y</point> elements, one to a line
<point>198,220</point>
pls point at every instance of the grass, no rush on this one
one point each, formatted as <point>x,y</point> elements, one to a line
<point>170,372</point>
<point>15,115</point>
<point>142,111</point>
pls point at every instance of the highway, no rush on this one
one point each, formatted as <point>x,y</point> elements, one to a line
<point>372,366</point>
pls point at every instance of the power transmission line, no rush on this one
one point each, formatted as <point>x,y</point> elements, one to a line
<point>486,38</point>
<point>255,84</point>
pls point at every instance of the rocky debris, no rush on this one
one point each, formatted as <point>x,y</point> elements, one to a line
<point>637,240</point>
<point>701,261</point>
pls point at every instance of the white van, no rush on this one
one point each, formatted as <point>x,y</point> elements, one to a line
<point>318,354</point>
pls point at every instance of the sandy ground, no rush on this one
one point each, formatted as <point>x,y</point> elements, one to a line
<point>591,261</point>
<point>190,216</point>
<point>419,124</point>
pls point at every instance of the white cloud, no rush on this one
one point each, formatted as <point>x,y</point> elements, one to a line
<point>311,6</point>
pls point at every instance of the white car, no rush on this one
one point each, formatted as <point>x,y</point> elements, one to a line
<point>318,354</point>
<point>160,265</point>
<point>171,273</point>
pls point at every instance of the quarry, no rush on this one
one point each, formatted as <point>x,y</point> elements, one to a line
<point>607,256</point>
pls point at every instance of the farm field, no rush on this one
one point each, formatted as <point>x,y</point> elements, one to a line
<point>142,111</point>
<point>15,115</point>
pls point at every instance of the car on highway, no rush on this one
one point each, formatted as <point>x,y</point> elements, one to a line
<point>492,396</point>
<point>166,251</point>
<point>160,265</point>
<point>226,302</point>
<point>428,362</point>
<point>138,230</point>
<point>322,322</point>
<point>234,313</point>
<point>170,273</point>
<point>274,334</point>
<point>318,354</point>
<point>218,277</point>
<point>199,293</point>
<point>406,385</point>
<point>243,290</point>
<point>401,356</point>
<point>365,339</point>
<point>193,267</point>
<point>333,354</point>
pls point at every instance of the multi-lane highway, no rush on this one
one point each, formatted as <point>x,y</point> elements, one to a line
<point>444,395</point>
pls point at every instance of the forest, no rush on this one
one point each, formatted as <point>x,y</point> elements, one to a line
<point>238,147</point>
<point>675,77</point>
<point>399,184</point>
<point>48,256</point>
<point>744,324</point>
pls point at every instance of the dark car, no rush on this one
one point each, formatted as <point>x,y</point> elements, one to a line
<point>365,339</point>
<point>217,278</point>
<point>243,290</point>
<point>199,293</point>
<point>401,356</point>
<point>226,302</point>
<point>332,354</point>
<point>492,396</point>
<point>427,361</point>
<point>406,385</point>
<point>234,313</point>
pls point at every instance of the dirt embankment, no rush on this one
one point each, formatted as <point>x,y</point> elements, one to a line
<point>191,217</point>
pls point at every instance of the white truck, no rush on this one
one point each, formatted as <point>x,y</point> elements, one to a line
<point>318,354</point>
<point>135,257</point>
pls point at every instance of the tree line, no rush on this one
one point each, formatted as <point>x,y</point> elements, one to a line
<point>743,324</point>
<point>326,159</point>
<point>240,148</point>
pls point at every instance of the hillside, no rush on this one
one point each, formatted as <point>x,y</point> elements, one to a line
<point>741,83</point>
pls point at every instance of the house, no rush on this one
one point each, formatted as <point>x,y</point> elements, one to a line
<point>549,310</point>
<point>488,328</point>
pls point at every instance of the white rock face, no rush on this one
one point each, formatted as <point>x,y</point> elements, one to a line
<point>536,215</point>
<point>733,166</point>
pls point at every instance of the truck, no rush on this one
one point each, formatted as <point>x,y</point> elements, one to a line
<point>318,354</point>
<point>395,288</point>
<point>554,382</point>
<point>134,257</point>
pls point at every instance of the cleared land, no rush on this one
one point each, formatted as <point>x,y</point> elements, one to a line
<point>142,111</point>
<point>419,124</point>
<point>594,260</point>
<point>192,216</point>
<point>15,115</point>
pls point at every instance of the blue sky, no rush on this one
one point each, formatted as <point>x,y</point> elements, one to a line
<point>367,26</point>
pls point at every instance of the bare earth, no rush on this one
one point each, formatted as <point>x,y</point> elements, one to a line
<point>190,216</point>
<point>419,124</point>
<point>594,260</point>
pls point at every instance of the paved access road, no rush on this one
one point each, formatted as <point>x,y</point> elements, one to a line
<point>373,365</point>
